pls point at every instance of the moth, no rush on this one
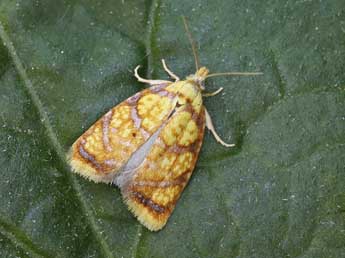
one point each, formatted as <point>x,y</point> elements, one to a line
<point>148,144</point>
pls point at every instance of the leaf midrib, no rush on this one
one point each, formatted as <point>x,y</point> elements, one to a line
<point>53,139</point>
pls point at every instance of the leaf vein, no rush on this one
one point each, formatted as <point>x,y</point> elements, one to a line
<point>151,24</point>
<point>20,239</point>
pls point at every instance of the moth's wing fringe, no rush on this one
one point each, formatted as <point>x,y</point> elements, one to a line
<point>78,167</point>
<point>143,215</point>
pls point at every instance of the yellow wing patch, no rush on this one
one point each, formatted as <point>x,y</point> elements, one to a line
<point>153,108</point>
<point>107,145</point>
<point>153,191</point>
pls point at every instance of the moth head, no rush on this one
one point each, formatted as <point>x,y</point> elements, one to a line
<point>199,77</point>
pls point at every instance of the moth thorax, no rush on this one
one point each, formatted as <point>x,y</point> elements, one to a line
<point>199,77</point>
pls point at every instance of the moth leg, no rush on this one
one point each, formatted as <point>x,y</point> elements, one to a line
<point>151,82</point>
<point>210,94</point>
<point>210,127</point>
<point>171,74</point>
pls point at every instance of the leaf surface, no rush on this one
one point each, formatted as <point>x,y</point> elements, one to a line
<point>278,193</point>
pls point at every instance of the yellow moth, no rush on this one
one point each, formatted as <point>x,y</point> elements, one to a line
<point>148,144</point>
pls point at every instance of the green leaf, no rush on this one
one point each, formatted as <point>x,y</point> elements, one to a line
<point>278,193</point>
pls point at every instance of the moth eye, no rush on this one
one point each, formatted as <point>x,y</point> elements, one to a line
<point>202,85</point>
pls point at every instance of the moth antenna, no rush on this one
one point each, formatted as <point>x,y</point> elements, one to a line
<point>233,73</point>
<point>192,43</point>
